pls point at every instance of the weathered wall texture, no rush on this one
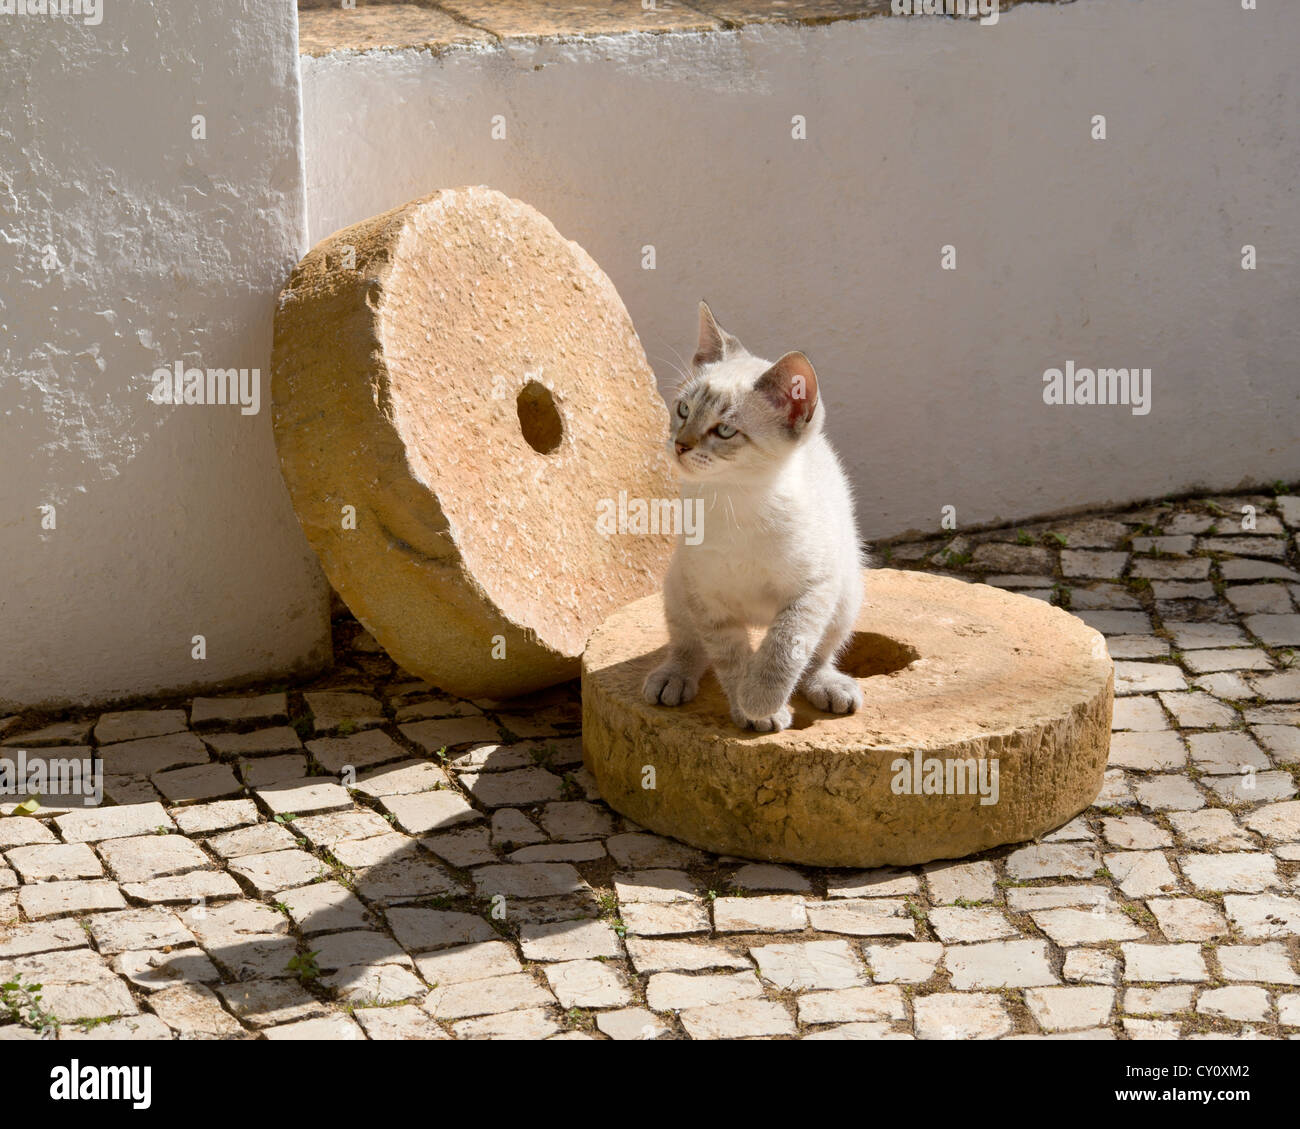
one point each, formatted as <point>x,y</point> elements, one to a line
<point>920,133</point>
<point>128,244</point>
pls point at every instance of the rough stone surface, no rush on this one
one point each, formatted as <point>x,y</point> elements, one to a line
<point>979,660</point>
<point>810,965</point>
<point>953,1015</point>
<point>743,1019</point>
<point>489,996</point>
<point>112,823</point>
<point>414,419</point>
<point>587,983</point>
<point>999,964</point>
<point>671,991</point>
<point>780,914</point>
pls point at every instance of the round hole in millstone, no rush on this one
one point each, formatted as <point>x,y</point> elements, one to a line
<point>539,418</point>
<point>869,655</point>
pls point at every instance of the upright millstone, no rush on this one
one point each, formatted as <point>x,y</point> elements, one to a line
<point>458,395</point>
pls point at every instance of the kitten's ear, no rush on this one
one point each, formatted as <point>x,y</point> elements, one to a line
<point>790,386</point>
<point>716,344</point>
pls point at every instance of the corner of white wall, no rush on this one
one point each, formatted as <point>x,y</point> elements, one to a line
<point>131,239</point>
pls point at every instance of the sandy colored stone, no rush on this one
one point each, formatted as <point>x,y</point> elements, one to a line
<point>416,377</point>
<point>1163,964</point>
<point>809,965</point>
<point>408,1022</point>
<point>324,27</point>
<point>492,995</point>
<point>193,1011</point>
<point>1269,964</point>
<point>153,971</point>
<point>223,815</point>
<point>671,991</point>
<point>950,669</point>
<point>112,823</point>
<point>48,899</point>
<point>587,983</point>
<point>636,1023</point>
<point>739,1019</point>
<point>49,861</point>
<point>525,1023</point>
<point>128,725</point>
<point>375,984</point>
<point>647,919</point>
<point>144,857</point>
<point>1090,966</point>
<point>961,1015</point>
<point>328,1029</point>
<point>322,907</point>
<point>862,917</point>
<point>45,937</point>
<point>681,956</point>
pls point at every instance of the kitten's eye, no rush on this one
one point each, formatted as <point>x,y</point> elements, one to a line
<point>683,410</point>
<point>725,431</point>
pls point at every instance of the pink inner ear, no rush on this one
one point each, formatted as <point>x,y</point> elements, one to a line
<point>791,385</point>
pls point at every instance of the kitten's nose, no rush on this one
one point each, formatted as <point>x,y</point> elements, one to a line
<point>682,448</point>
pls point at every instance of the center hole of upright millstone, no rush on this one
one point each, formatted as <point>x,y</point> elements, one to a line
<point>539,418</point>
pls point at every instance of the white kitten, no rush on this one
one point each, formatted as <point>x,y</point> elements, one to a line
<point>780,547</point>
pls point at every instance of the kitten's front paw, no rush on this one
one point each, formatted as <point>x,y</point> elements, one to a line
<point>773,723</point>
<point>759,697</point>
<point>667,686</point>
<point>833,691</point>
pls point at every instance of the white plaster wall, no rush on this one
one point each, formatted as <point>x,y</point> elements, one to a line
<point>920,133</point>
<point>170,522</point>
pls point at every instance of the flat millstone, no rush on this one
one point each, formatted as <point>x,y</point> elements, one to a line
<point>414,375</point>
<point>949,672</point>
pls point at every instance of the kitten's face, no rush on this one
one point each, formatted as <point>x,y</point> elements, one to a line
<point>739,417</point>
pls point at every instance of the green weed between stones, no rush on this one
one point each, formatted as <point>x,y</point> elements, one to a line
<point>1140,914</point>
<point>609,913</point>
<point>304,966</point>
<point>578,1019</point>
<point>21,1003</point>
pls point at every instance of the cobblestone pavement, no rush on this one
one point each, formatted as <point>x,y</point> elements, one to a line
<point>333,860</point>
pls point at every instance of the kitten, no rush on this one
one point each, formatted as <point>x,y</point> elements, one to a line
<point>780,547</point>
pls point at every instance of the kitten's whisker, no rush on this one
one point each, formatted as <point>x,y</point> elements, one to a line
<point>683,375</point>
<point>685,370</point>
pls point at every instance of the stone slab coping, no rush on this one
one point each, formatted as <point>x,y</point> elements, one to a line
<point>326,27</point>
